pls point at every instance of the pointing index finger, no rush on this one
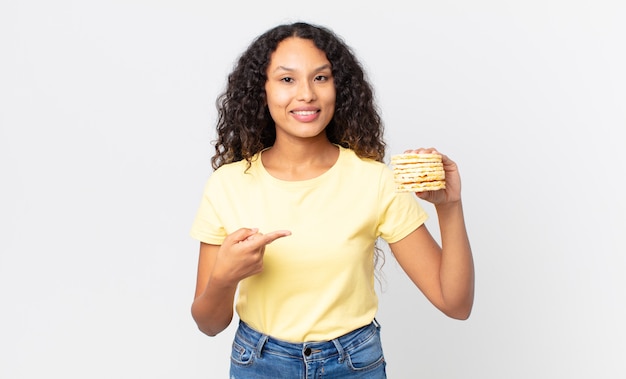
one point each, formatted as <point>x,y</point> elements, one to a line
<point>272,236</point>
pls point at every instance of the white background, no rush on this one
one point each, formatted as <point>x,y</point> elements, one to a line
<point>106,117</point>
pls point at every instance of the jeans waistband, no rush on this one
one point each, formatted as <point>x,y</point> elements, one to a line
<point>263,343</point>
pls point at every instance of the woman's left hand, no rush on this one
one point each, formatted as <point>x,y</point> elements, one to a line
<point>452,192</point>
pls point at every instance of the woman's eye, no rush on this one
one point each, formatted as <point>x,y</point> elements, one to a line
<point>287,80</point>
<point>321,78</point>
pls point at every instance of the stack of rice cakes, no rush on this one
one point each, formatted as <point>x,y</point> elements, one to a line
<point>414,172</point>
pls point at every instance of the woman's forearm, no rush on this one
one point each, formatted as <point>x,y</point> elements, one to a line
<point>213,309</point>
<point>457,266</point>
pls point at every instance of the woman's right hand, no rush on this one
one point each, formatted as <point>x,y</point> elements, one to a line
<point>241,254</point>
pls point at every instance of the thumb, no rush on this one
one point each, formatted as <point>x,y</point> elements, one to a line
<point>241,235</point>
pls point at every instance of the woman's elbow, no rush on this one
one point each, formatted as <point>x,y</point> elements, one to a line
<point>460,312</point>
<point>207,324</point>
<point>208,331</point>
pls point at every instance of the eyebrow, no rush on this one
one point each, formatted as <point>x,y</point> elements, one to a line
<point>320,68</point>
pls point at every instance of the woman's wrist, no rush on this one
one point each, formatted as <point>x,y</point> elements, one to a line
<point>448,207</point>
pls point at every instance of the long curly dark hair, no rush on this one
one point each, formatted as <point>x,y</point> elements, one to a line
<point>244,125</point>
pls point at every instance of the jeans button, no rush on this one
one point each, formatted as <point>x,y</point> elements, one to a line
<point>307,351</point>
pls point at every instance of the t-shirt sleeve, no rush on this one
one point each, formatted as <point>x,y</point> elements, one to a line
<point>206,226</point>
<point>400,212</point>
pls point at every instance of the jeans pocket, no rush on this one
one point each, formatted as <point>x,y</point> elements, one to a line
<point>241,354</point>
<point>368,355</point>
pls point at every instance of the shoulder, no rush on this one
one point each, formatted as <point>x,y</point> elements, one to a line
<point>365,169</point>
<point>350,158</point>
<point>235,169</point>
<point>235,174</point>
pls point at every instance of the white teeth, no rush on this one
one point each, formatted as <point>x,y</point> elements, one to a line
<point>304,113</point>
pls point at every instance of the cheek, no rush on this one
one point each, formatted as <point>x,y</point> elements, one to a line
<point>277,99</point>
<point>330,96</point>
<point>276,107</point>
<point>331,102</point>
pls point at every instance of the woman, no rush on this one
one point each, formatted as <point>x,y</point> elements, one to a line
<point>291,215</point>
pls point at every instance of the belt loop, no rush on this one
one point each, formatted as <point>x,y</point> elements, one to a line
<point>376,323</point>
<point>261,344</point>
<point>342,353</point>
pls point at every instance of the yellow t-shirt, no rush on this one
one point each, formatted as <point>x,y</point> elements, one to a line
<point>318,283</point>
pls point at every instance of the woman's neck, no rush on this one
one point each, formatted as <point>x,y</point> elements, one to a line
<point>299,161</point>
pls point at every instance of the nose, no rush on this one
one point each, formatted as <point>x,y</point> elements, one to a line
<point>306,92</point>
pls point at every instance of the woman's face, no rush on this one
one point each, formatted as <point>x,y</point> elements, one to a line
<point>300,89</point>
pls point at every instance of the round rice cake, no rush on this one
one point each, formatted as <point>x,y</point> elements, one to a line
<point>421,167</point>
<point>407,158</point>
<point>417,177</point>
<point>417,172</point>
<point>421,187</point>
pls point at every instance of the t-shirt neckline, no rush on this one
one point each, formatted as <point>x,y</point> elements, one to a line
<point>298,183</point>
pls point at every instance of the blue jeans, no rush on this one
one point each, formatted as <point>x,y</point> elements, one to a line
<point>358,354</point>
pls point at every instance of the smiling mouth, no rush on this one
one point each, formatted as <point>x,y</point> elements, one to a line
<point>304,113</point>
